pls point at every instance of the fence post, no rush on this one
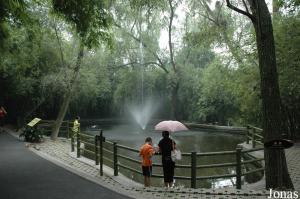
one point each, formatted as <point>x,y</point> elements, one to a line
<point>193,169</point>
<point>238,166</point>
<point>247,134</point>
<point>101,153</point>
<point>253,138</point>
<point>78,144</point>
<point>96,139</point>
<point>72,144</point>
<point>115,159</point>
<point>68,129</point>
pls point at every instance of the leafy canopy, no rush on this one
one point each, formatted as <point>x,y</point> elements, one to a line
<point>11,12</point>
<point>90,18</point>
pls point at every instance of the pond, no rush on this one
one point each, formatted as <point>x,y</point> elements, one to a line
<point>187,141</point>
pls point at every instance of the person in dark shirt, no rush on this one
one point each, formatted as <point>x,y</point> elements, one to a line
<point>166,145</point>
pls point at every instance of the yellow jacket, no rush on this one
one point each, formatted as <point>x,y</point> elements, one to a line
<point>76,126</point>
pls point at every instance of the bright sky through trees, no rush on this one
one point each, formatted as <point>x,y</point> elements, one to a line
<point>178,22</point>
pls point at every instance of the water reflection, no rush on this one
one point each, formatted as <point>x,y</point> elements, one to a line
<point>193,140</point>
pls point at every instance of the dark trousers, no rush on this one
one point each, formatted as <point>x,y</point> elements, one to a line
<point>168,169</point>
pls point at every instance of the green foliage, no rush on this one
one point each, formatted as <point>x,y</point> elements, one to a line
<point>288,40</point>
<point>290,6</point>
<point>148,4</point>
<point>287,51</point>
<point>93,92</point>
<point>246,89</point>
<point>31,55</point>
<point>90,18</point>
<point>189,92</point>
<point>217,65</point>
<point>31,134</point>
<point>11,11</point>
<point>217,102</point>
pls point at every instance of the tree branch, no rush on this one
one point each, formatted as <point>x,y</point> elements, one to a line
<point>59,44</point>
<point>132,63</point>
<point>161,63</point>
<point>204,3</point>
<point>219,12</point>
<point>229,5</point>
<point>133,25</point>
<point>170,36</point>
<point>245,5</point>
<point>209,18</point>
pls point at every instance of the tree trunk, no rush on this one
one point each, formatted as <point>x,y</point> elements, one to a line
<point>174,97</point>
<point>277,176</point>
<point>68,95</point>
<point>175,84</point>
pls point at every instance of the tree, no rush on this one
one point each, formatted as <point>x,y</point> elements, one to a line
<point>91,21</point>
<point>277,176</point>
<point>28,57</point>
<point>12,12</point>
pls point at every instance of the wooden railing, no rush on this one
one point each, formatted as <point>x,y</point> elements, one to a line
<point>47,126</point>
<point>254,135</point>
<point>101,146</point>
<point>96,146</point>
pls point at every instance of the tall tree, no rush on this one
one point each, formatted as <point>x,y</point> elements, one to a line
<point>175,78</point>
<point>277,176</point>
<point>91,21</point>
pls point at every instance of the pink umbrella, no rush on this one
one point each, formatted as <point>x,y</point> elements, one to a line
<point>171,126</point>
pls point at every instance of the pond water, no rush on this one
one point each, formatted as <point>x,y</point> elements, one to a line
<point>187,141</point>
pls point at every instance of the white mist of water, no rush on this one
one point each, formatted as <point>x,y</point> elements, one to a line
<point>143,113</point>
<point>142,70</point>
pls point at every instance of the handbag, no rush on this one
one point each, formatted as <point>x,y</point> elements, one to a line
<point>176,155</point>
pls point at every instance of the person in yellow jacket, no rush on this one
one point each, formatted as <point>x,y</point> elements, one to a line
<point>76,126</point>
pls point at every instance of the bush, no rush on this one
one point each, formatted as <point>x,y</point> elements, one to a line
<point>32,134</point>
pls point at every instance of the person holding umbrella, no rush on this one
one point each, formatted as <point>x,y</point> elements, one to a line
<point>165,146</point>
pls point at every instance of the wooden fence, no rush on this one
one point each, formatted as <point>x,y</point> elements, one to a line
<point>254,135</point>
<point>100,145</point>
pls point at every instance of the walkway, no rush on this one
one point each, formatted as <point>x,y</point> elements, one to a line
<point>24,175</point>
<point>293,159</point>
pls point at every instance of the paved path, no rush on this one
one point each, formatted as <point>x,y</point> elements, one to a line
<point>24,175</point>
<point>293,162</point>
<point>293,159</point>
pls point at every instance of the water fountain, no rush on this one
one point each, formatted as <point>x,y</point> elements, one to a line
<point>142,111</point>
